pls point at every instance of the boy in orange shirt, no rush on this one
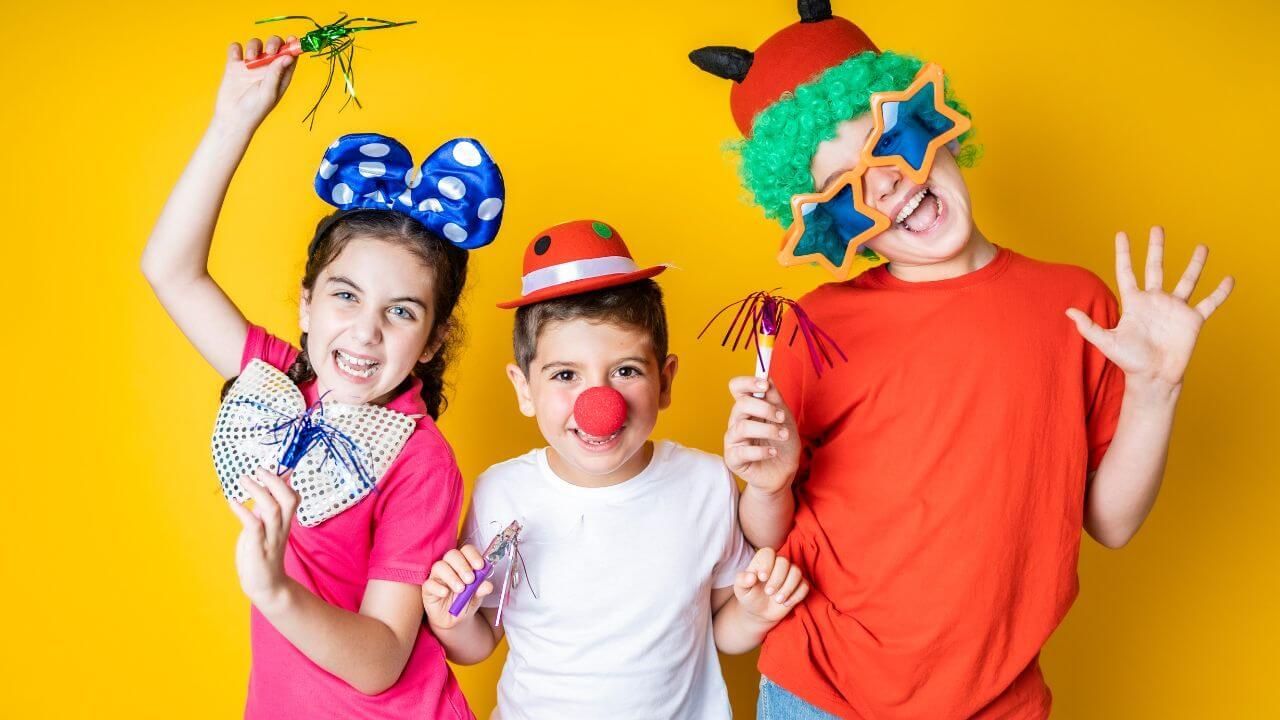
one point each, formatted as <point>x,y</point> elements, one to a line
<point>933,487</point>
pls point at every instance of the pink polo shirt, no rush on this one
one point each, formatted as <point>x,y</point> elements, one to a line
<point>395,533</point>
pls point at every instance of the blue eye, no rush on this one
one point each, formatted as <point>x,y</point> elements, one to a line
<point>401,311</point>
<point>344,295</point>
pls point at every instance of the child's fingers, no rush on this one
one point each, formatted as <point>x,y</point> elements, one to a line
<point>252,49</point>
<point>762,563</point>
<point>272,45</point>
<point>1207,306</point>
<point>250,522</point>
<point>748,406</point>
<point>444,573</point>
<point>799,595</point>
<point>1187,283</point>
<point>746,580</point>
<point>1090,330</point>
<point>288,65</point>
<point>746,429</point>
<point>746,385</point>
<point>281,492</point>
<point>434,591</point>
<point>780,569</point>
<point>460,565</point>
<point>485,589</point>
<point>1155,259</point>
<point>789,585</point>
<point>265,507</point>
<point>472,556</point>
<point>235,53</point>
<point>738,457</point>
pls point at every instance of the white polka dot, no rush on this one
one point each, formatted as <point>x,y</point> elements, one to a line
<point>413,177</point>
<point>375,149</point>
<point>454,232</point>
<point>327,169</point>
<point>451,187</point>
<point>372,169</point>
<point>489,209</point>
<point>342,194</point>
<point>431,204</point>
<point>406,197</point>
<point>467,153</point>
<point>377,197</point>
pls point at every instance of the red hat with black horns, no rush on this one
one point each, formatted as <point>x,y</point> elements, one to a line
<point>789,58</point>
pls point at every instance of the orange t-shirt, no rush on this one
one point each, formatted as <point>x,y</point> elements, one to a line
<point>940,499</point>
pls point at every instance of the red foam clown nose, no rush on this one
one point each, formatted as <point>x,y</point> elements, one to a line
<point>600,411</point>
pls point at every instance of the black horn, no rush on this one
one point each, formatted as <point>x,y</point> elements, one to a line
<point>730,63</point>
<point>812,11</point>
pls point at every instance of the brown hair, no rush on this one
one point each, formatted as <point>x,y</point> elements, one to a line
<point>447,261</point>
<point>637,305</point>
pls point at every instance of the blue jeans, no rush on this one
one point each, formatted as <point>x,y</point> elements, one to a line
<point>775,703</point>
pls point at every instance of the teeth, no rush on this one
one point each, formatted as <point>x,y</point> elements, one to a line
<point>911,206</point>
<point>593,441</point>
<point>357,367</point>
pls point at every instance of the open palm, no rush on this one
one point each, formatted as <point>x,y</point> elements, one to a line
<point>1157,329</point>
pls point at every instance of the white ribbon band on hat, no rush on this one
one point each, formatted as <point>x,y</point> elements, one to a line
<point>576,270</point>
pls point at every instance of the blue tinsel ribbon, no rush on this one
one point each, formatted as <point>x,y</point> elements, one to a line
<point>299,434</point>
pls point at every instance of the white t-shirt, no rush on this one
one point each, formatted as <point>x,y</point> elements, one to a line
<point>621,625</point>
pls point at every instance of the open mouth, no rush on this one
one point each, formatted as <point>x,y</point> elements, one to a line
<point>356,367</point>
<point>595,442</point>
<point>922,213</point>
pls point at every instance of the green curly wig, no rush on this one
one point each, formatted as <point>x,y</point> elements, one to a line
<point>775,160</point>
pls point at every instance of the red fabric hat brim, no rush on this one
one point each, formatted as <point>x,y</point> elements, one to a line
<point>577,287</point>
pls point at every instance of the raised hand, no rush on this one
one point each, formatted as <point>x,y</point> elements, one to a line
<point>248,94</point>
<point>761,445</point>
<point>1157,330</point>
<point>264,534</point>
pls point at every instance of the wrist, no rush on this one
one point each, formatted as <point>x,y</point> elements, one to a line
<point>274,600</point>
<point>228,130</point>
<point>1151,392</point>
<point>769,495</point>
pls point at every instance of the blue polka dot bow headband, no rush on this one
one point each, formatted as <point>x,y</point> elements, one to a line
<point>457,192</point>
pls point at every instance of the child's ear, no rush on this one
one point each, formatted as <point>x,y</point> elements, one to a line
<point>304,311</point>
<point>667,376</point>
<point>434,346</point>
<point>521,384</point>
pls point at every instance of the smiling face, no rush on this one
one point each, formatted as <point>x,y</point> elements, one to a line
<point>577,354</point>
<point>931,223</point>
<point>369,319</point>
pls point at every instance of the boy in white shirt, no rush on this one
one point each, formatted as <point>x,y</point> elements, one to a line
<point>633,546</point>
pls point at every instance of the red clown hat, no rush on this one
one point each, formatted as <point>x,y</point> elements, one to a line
<point>576,257</point>
<point>789,58</point>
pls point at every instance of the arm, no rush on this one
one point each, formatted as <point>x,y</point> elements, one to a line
<point>175,261</point>
<point>368,649</point>
<point>762,446</point>
<point>1152,344</point>
<point>761,596</point>
<point>470,637</point>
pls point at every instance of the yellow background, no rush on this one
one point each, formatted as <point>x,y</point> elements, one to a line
<point>119,594</point>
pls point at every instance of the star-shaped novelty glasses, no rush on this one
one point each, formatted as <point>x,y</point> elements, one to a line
<point>908,129</point>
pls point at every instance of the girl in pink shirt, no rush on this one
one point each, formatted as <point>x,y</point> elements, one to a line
<point>336,625</point>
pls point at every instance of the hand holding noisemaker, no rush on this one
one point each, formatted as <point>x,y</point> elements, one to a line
<point>469,591</point>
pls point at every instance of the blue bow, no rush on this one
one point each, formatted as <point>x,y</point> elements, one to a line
<point>458,192</point>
